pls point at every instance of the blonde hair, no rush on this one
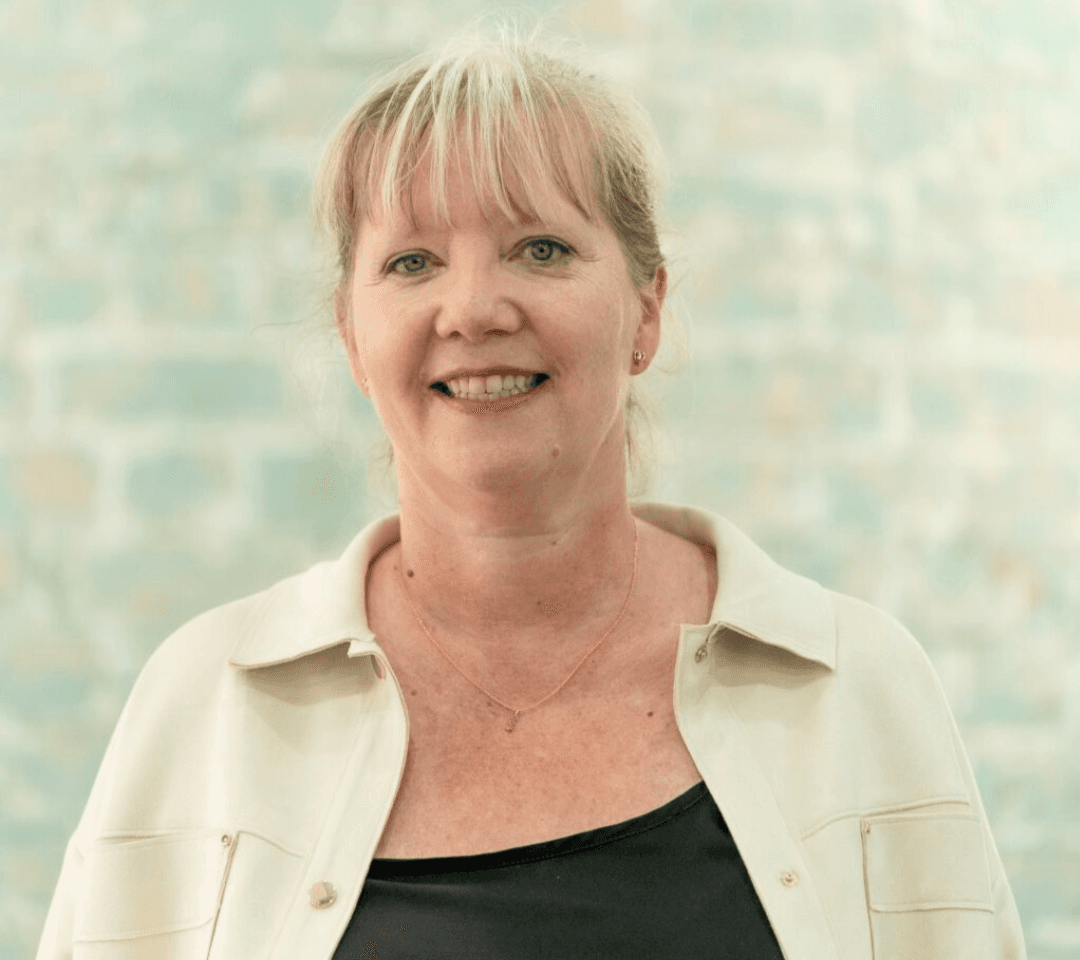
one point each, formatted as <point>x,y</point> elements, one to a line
<point>516,108</point>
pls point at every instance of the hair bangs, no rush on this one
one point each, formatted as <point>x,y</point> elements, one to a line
<point>512,141</point>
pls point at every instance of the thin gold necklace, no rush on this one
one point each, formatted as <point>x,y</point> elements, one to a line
<point>518,712</point>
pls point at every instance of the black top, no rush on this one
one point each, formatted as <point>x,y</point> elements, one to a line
<point>669,883</point>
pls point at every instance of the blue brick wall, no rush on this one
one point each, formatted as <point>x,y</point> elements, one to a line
<point>874,219</point>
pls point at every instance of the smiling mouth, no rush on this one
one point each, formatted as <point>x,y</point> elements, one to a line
<point>464,388</point>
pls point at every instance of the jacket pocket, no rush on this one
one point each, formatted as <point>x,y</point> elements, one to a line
<point>927,886</point>
<point>152,897</point>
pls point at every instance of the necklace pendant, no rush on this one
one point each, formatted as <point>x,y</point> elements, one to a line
<point>512,722</point>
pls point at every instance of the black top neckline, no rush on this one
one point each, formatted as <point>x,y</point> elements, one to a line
<point>388,867</point>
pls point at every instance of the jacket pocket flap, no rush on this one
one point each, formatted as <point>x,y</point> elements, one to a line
<point>925,861</point>
<point>151,885</point>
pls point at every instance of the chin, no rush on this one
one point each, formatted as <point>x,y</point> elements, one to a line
<point>503,471</point>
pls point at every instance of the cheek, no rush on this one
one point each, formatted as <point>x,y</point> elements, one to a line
<point>372,331</point>
<point>600,318</point>
<point>390,348</point>
<point>616,333</point>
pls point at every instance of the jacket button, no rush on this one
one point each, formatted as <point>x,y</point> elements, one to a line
<point>322,894</point>
<point>789,878</point>
<point>701,653</point>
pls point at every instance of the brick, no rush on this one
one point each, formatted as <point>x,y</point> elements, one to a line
<point>1039,30</point>
<point>308,492</point>
<point>858,499</point>
<point>805,554</point>
<point>12,391</point>
<point>48,655</point>
<point>9,566</point>
<point>40,692</point>
<point>1006,401</point>
<point>902,114</point>
<point>1046,885</point>
<point>152,587</point>
<point>845,26</point>
<point>174,481</point>
<point>937,402</point>
<point>798,395</point>
<point>9,507</point>
<point>198,390</point>
<point>187,288</point>
<point>194,108</point>
<point>58,297</point>
<point>747,197</point>
<point>742,24</point>
<point>869,300</point>
<point>55,479</point>
<point>155,584</point>
<point>1048,513</point>
<point>1054,939</point>
<point>1045,304</point>
<point>1016,400</point>
<point>755,303</point>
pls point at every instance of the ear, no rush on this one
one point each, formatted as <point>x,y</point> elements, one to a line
<point>348,339</point>
<point>652,303</point>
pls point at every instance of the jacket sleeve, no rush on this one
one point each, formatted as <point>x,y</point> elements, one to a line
<point>1009,936</point>
<point>56,937</point>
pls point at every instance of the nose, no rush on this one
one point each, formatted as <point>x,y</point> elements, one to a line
<point>476,303</point>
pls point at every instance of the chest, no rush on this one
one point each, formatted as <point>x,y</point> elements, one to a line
<point>470,787</point>
<point>604,749</point>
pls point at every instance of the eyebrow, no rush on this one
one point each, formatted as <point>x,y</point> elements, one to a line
<point>414,231</point>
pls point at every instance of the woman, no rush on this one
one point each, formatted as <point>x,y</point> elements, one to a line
<point>525,718</point>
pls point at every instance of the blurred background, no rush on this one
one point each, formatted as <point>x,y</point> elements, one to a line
<point>874,219</point>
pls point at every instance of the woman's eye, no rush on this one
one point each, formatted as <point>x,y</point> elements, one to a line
<point>408,264</point>
<point>546,251</point>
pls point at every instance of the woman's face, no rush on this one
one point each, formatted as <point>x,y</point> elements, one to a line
<point>438,309</point>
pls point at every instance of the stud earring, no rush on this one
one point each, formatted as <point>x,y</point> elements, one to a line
<point>638,356</point>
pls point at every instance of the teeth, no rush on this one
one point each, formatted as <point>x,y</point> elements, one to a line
<point>493,387</point>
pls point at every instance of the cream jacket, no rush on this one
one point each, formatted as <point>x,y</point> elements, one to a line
<point>252,770</point>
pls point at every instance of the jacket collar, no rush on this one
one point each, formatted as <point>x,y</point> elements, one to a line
<point>755,596</point>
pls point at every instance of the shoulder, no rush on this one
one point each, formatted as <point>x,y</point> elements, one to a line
<point>301,614</point>
<point>848,646</point>
<point>183,666</point>
<point>187,666</point>
<point>871,642</point>
<point>213,635</point>
<point>878,717</point>
<point>169,708</point>
<point>788,621</point>
<point>833,651</point>
<point>885,684</point>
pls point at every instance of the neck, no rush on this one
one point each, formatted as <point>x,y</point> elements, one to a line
<point>494,589</point>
